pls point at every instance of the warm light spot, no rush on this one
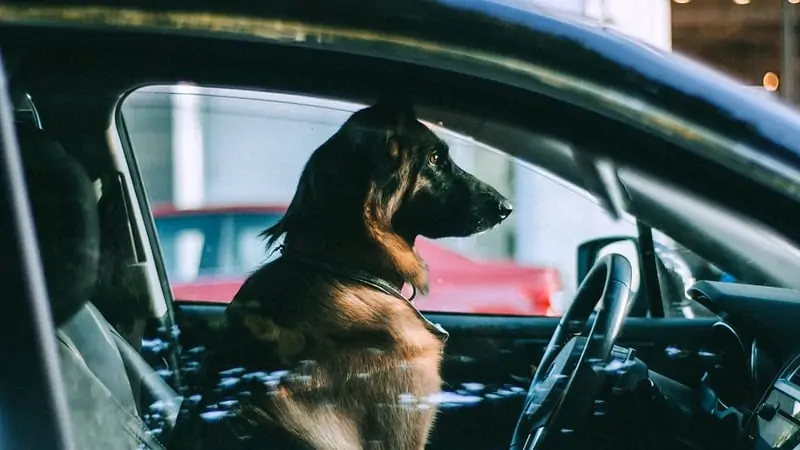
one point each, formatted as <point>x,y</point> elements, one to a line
<point>771,81</point>
<point>794,2</point>
<point>742,2</point>
<point>683,2</point>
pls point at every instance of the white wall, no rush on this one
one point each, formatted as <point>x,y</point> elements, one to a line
<point>646,20</point>
<point>188,155</point>
<point>256,150</point>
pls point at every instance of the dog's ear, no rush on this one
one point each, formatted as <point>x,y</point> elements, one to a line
<point>376,131</point>
<point>399,113</point>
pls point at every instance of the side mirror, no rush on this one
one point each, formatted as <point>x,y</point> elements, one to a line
<point>674,273</point>
<point>590,251</point>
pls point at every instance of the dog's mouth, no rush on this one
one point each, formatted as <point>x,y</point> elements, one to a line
<point>491,214</point>
<point>484,224</point>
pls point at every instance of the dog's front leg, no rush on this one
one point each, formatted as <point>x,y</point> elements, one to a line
<point>323,427</point>
<point>401,430</point>
<point>401,416</point>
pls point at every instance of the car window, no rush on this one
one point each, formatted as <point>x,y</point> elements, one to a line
<point>243,151</point>
<point>190,246</point>
<point>249,247</point>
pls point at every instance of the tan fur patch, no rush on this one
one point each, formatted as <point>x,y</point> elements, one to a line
<point>378,213</point>
<point>289,342</point>
<point>364,393</point>
<point>261,327</point>
<point>394,148</point>
<point>420,184</point>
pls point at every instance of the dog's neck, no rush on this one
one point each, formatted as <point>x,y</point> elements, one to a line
<point>347,255</point>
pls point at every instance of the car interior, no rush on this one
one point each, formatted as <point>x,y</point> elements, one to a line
<point>130,355</point>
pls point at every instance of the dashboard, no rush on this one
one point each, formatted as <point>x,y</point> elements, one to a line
<point>751,362</point>
<point>737,372</point>
<point>776,424</point>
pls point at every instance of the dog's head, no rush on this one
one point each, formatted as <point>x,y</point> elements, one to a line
<point>387,175</point>
<point>416,188</point>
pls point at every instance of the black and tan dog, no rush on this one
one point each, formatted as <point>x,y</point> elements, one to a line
<point>363,363</point>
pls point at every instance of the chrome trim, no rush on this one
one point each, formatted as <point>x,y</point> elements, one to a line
<point>35,112</point>
<point>724,324</point>
<point>534,440</point>
<point>788,389</point>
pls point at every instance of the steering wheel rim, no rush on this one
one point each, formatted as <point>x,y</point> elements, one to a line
<point>564,386</point>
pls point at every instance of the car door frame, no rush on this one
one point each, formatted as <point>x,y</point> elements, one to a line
<point>33,400</point>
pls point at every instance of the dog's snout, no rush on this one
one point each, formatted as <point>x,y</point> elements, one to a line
<point>504,208</point>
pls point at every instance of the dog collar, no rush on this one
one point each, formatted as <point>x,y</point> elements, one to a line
<point>370,280</point>
<point>360,276</point>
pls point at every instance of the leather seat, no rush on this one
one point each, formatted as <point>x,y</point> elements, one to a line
<point>98,366</point>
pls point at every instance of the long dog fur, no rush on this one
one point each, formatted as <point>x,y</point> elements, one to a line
<point>364,365</point>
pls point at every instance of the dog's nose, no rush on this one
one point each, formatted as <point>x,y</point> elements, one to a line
<point>504,208</point>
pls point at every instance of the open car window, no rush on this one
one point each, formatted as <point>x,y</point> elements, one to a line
<point>221,166</point>
<point>224,163</point>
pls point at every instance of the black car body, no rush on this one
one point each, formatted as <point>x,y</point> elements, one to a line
<point>681,148</point>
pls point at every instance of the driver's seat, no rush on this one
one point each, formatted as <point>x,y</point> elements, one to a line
<point>96,363</point>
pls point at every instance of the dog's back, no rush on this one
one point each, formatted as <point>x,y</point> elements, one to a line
<point>363,365</point>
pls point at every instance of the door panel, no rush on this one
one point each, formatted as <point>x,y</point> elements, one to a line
<point>488,361</point>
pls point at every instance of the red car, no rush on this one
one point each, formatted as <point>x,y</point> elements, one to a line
<point>210,251</point>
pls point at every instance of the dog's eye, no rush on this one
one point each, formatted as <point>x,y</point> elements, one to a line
<point>433,158</point>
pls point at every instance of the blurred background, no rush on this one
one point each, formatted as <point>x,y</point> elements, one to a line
<point>220,164</point>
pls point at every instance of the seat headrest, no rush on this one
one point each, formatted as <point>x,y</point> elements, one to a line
<point>65,216</point>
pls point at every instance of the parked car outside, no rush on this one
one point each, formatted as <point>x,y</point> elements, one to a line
<point>221,246</point>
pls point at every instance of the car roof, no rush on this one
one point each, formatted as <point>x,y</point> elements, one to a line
<point>581,47</point>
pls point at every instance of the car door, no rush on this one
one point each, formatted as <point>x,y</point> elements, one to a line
<point>489,358</point>
<point>32,400</point>
<point>491,354</point>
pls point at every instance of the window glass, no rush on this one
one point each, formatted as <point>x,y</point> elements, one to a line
<point>250,249</point>
<point>189,246</point>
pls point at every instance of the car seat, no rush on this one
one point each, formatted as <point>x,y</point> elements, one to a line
<point>97,365</point>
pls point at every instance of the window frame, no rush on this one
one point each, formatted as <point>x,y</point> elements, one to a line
<point>648,279</point>
<point>323,104</point>
<point>32,386</point>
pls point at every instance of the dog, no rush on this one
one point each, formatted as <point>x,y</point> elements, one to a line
<point>364,363</point>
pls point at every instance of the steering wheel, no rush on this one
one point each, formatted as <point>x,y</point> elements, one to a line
<point>568,379</point>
